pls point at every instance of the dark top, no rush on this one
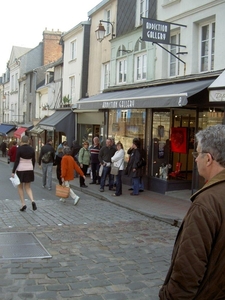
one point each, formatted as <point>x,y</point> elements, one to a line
<point>3,146</point>
<point>105,154</point>
<point>75,149</point>
<point>25,151</point>
<point>134,159</point>
<point>46,148</point>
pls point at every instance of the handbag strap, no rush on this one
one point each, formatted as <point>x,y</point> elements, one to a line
<point>120,164</point>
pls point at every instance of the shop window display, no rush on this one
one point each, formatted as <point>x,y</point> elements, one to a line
<point>127,124</point>
<point>161,144</point>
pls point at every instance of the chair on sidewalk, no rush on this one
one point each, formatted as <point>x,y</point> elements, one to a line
<point>177,173</point>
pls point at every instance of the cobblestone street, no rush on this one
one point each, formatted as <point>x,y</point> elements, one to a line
<point>100,251</point>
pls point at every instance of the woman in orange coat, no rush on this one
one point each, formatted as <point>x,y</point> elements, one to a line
<point>68,165</point>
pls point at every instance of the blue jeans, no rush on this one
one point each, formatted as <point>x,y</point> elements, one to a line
<point>135,184</point>
<point>47,174</point>
<point>106,171</point>
<point>119,183</point>
<point>141,184</point>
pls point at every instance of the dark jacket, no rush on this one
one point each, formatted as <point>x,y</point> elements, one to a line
<point>75,149</point>
<point>198,260</point>
<point>44,149</point>
<point>105,154</point>
<point>134,159</point>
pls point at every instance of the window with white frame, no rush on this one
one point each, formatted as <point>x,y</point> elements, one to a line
<point>121,71</point>
<point>72,88</point>
<point>174,49</point>
<point>105,76</point>
<point>142,8</point>
<point>140,66</point>
<point>73,50</point>
<point>207,47</point>
<point>108,25</point>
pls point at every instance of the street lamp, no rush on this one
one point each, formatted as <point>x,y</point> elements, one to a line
<point>100,31</point>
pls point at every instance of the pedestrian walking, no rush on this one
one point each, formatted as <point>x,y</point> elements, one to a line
<point>75,150</point>
<point>12,154</point>
<point>198,259</point>
<point>3,148</point>
<point>94,152</point>
<point>58,159</point>
<point>84,161</point>
<point>105,155</point>
<point>118,161</point>
<point>46,159</point>
<point>24,168</point>
<point>68,165</point>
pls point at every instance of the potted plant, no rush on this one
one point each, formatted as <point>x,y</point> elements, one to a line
<point>66,101</point>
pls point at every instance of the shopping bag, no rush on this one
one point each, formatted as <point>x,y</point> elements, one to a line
<point>114,170</point>
<point>15,180</point>
<point>62,191</point>
<point>100,171</point>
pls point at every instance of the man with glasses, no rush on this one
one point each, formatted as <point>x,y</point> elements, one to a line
<point>197,268</point>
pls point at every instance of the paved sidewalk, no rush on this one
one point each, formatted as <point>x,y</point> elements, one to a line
<point>170,208</point>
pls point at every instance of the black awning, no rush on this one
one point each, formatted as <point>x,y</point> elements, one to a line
<point>168,95</point>
<point>56,121</point>
<point>60,121</point>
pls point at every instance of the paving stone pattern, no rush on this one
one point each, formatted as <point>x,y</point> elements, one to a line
<point>99,252</point>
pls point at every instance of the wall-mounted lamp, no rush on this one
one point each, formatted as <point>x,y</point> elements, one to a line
<point>100,31</point>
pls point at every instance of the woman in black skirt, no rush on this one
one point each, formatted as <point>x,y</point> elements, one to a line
<point>24,168</point>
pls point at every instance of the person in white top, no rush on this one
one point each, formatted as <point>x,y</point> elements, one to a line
<point>118,161</point>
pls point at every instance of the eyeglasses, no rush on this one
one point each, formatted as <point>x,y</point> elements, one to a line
<point>196,154</point>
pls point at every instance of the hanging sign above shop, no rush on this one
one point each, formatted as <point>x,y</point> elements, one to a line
<point>156,31</point>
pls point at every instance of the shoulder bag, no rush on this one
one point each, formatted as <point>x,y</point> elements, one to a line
<point>114,169</point>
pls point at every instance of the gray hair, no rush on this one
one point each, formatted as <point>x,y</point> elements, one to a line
<point>24,139</point>
<point>212,140</point>
<point>67,150</point>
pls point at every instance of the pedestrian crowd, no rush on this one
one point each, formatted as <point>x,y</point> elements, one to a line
<point>104,163</point>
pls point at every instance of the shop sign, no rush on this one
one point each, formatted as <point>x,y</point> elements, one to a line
<point>216,95</point>
<point>156,31</point>
<point>119,104</point>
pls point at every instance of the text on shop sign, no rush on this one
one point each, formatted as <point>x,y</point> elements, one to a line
<point>118,104</point>
<point>156,31</point>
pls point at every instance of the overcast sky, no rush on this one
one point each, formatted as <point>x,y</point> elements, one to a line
<point>22,22</point>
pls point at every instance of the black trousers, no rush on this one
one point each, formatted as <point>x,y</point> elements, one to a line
<point>84,169</point>
<point>95,170</point>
